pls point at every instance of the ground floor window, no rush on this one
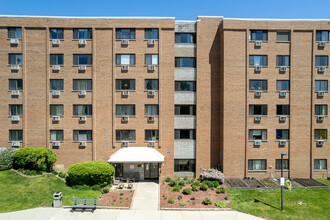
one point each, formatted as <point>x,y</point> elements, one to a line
<point>119,168</point>
<point>320,164</point>
<point>257,165</point>
<point>182,165</point>
<point>285,164</point>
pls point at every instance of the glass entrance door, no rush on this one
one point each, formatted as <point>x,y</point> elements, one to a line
<point>150,170</point>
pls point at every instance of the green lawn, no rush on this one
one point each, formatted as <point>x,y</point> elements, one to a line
<point>19,192</point>
<point>298,203</point>
<point>325,181</point>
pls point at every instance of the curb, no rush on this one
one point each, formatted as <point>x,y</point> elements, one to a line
<point>103,207</point>
<point>196,209</point>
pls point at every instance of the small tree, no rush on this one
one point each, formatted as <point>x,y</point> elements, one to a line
<point>6,158</point>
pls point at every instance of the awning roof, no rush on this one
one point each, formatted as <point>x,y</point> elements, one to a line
<point>136,154</point>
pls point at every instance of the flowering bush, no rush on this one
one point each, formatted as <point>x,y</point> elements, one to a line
<point>6,158</point>
<point>212,174</point>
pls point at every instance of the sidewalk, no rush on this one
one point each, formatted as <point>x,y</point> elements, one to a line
<point>146,196</point>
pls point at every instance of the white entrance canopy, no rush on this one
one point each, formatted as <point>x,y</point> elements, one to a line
<point>136,155</point>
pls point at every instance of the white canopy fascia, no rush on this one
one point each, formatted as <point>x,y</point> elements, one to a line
<point>136,155</point>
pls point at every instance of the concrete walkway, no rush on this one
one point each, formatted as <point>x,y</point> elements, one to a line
<point>111,214</point>
<point>146,196</point>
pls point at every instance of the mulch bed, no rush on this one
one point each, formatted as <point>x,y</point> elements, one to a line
<point>309,182</point>
<point>269,183</point>
<point>253,183</point>
<point>236,183</point>
<point>166,193</point>
<point>114,199</point>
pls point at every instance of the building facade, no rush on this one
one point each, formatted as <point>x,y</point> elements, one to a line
<point>160,97</point>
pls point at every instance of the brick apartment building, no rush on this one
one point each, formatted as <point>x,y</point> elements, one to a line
<point>156,96</point>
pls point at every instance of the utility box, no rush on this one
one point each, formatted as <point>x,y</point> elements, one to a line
<point>57,200</point>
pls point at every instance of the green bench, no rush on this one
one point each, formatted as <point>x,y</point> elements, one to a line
<point>84,204</point>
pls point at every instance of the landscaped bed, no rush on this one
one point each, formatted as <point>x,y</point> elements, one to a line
<point>117,198</point>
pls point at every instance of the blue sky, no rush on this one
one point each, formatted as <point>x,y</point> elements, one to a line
<point>181,9</point>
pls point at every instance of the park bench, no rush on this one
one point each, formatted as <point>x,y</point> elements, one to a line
<point>84,204</point>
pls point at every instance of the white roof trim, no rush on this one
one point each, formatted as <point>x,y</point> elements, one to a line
<point>183,21</point>
<point>272,19</point>
<point>73,17</point>
<point>136,155</point>
<point>209,17</point>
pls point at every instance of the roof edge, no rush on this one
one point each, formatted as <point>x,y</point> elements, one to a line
<point>272,19</point>
<point>80,17</point>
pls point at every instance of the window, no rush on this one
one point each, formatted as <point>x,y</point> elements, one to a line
<point>82,33</point>
<point>283,36</point>
<point>258,84</point>
<point>151,33</point>
<point>82,84</point>
<point>320,164</point>
<point>151,59</point>
<point>56,84</point>
<point>185,62</point>
<point>185,86</point>
<point>56,110</point>
<point>257,165</point>
<point>181,165</point>
<point>282,85</point>
<point>125,33</point>
<point>56,135</point>
<point>322,35</point>
<point>151,135</point>
<point>125,135</point>
<point>320,134</point>
<point>184,134</point>
<point>15,84</point>
<point>321,109</point>
<point>282,60</point>
<point>151,84</point>
<point>321,85</point>
<point>282,134</point>
<point>15,110</point>
<point>15,33</point>
<point>151,109</point>
<point>82,59</point>
<point>321,60</point>
<point>185,38</point>
<point>15,59</point>
<point>258,110</point>
<point>185,109</point>
<point>82,135</point>
<point>125,59</point>
<point>15,135</point>
<point>285,164</point>
<point>125,110</point>
<point>283,110</point>
<point>258,35</point>
<point>56,59</point>
<point>125,84</point>
<point>256,60</point>
<point>56,33</point>
<point>82,109</point>
<point>257,134</point>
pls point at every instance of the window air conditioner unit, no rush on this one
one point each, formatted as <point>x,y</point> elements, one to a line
<point>15,144</point>
<point>151,143</point>
<point>283,68</point>
<point>125,42</point>
<point>258,43</point>
<point>14,41</point>
<point>320,118</point>
<point>82,67</point>
<point>15,93</point>
<point>125,93</point>
<point>125,67</point>
<point>14,67</point>
<point>14,118</point>
<point>82,144</point>
<point>124,119</point>
<point>56,67</point>
<point>257,118</point>
<point>56,93</point>
<point>56,143</point>
<point>282,142</point>
<point>82,93</point>
<point>151,93</point>
<point>151,42</point>
<point>320,142</point>
<point>257,93</point>
<point>56,42</point>
<point>282,118</point>
<point>282,93</point>
<point>124,143</point>
<point>320,94</point>
<point>82,42</point>
<point>322,44</point>
<point>258,68</point>
<point>151,118</point>
<point>257,143</point>
<point>321,69</point>
<point>151,67</point>
<point>82,118</point>
<point>56,118</point>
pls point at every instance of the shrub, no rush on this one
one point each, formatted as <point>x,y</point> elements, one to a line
<point>176,189</point>
<point>39,172</point>
<point>203,187</point>
<point>215,183</point>
<point>199,179</point>
<point>221,189</point>
<point>105,190</point>
<point>121,194</point>
<point>34,159</point>
<point>226,198</point>
<point>195,188</point>
<point>185,178</point>
<point>33,172</point>
<point>167,179</point>
<point>182,204</point>
<point>173,183</point>
<point>192,198</point>
<point>27,172</point>
<point>90,173</point>
<point>220,204</point>
<point>81,187</point>
<point>6,158</point>
<point>55,172</point>
<point>170,200</point>
<point>179,197</point>
<point>208,183</point>
<point>181,183</point>
<point>121,198</point>
<point>96,188</point>
<point>212,174</point>
<point>207,201</point>
<point>187,191</point>
<point>62,175</point>
<point>197,184</point>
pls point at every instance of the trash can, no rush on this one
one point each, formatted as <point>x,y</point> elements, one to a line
<point>57,200</point>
